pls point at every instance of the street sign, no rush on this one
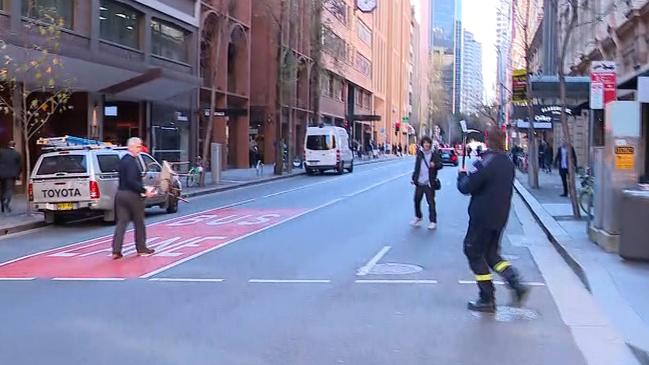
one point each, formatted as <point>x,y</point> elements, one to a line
<point>519,86</point>
<point>624,157</point>
<point>405,120</point>
<point>603,83</point>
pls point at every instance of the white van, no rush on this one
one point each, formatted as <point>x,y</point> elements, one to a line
<point>327,148</point>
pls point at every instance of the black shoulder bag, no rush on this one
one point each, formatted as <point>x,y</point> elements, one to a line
<point>436,185</point>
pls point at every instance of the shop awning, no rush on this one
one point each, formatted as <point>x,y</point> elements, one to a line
<point>366,117</point>
<point>577,87</point>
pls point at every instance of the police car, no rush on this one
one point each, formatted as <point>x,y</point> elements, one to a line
<point>77,174</point>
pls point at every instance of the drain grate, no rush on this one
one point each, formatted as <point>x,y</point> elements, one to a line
<point>509,314</point>
<point>395,269</point>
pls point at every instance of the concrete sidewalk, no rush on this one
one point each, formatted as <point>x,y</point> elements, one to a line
<point>620,287</point>
<point>18,220</point>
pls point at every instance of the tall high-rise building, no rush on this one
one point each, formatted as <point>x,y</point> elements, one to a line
<point>457,72</point>
<point>472,86</point>
<point>504,29</point>
<point>445,17</point>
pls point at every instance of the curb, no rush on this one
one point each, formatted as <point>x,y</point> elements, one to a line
<point>544,219</point>
<point>22,228</point>
<point>216,189</point>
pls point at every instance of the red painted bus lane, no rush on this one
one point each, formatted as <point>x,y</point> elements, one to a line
<point>175,241</point>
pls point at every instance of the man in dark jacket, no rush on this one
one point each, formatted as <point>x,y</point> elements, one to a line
<point>10,167</point>
<point>491,187</point>
<point>424,177</point>
<point>561,160</point>
<point>129,201</point>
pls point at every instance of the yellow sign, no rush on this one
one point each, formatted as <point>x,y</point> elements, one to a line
<point>624,158</point>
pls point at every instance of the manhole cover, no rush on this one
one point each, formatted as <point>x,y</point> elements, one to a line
<point>395,269</point>
<point>509,314</point>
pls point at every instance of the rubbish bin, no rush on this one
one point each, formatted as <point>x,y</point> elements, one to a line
<point>634,235</point>
<point>215,162</point>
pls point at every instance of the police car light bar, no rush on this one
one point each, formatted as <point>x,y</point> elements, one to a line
<point>69,141</point>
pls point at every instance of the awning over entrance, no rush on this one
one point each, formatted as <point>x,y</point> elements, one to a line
<point>366,117</point>
<point>577,87</point>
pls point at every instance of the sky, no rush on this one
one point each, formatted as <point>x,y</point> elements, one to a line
<point>479,18</point>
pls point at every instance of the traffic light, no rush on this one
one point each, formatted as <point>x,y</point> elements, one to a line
<point>397,126</point>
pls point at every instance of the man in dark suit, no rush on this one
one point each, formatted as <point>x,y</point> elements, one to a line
<point>129,201</point>
<point>10,167</point>
<point>491,188</point>
<point>561,160</point>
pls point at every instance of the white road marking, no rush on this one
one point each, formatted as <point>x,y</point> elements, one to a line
<point>370,264</point>
<point>498,282</point>
<point>17,279</point>
<point>197,280</point>
<point>148,275</point>
<point>289,281</point>
<point>109,236</point>
<point>88,279</point>
<point>396,281</point>
<point>376,185</point>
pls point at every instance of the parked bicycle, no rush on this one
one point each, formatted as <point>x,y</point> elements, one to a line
<point>585,194</point>
<point>194,174</point>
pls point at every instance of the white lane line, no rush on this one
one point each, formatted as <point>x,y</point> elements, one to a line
<point>289,281</point>
<point>17,279</point>
<point>396,281</point>
<point>179,262</point>
<point>88,279</point>
<point>109,236</point>
<point>189,280</point>
<point>498,282</point>
<point>373,261</point>
<point>377,185</point>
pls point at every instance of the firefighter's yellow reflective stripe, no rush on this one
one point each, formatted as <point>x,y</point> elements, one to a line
<point>502,265</point>
<point>486,277</point>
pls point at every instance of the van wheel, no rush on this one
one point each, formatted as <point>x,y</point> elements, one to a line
<point>351,167</point>
<point>310,172</point>
<point>341,168</point>
<point>172,204</point>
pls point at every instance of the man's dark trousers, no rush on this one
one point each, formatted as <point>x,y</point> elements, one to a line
<point>427,190</point>
<point>564,180</point>
<point>6,192</point>
<point>482,249</point>
<point>129,207</point>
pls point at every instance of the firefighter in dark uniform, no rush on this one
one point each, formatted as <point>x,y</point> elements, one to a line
<point>490,187</point>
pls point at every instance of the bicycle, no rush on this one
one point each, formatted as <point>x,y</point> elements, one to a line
<point>194,174</point>
<point>586,192</point>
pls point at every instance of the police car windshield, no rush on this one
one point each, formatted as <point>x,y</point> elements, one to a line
<point>71,164</point>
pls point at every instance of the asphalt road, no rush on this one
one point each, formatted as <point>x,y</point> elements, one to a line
<point>309,270</point>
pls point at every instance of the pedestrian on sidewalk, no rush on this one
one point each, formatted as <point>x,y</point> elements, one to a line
<point>490,187</point>
<point>129,201</point>
<point>424,178</point>
<point>561,161</point>
<point>10,168</point>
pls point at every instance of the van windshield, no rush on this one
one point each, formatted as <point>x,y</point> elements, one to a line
<point>321,142</point>
<point>71,164</point>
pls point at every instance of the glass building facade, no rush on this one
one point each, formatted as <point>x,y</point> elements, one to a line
<point>446,19</point>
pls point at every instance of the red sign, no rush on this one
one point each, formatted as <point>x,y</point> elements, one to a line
<point>175,241</point>
<point>603,79</point>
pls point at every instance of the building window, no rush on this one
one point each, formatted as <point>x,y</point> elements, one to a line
<point>50,10</point>
<point>337,89</point>
<point>333,44</point>
<point>364,33</point>
<point>119,23</point>
<point>338,8</point>
<point>169,41</point>
<point>325,84</point>
<point>363,65</point>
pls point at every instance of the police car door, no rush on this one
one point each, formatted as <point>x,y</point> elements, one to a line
<point>151,175</point>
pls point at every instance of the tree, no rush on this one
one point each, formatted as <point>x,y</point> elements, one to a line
<point>32,75</point>
<point>439,109</point>
<point>572,10</point>
<point>524,21</point>
<point>212,42</point>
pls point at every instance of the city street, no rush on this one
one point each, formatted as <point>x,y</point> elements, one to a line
<point>307,270</point>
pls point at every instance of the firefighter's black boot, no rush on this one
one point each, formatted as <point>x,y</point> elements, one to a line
<point>520,291</point>
<point>486,302</point>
